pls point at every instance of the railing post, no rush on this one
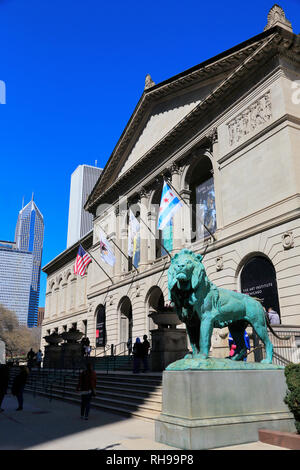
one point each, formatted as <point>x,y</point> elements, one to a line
<point>111,349</point>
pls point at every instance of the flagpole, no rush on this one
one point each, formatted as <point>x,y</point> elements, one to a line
<point>121,251</point>
<point>161,244</point>
<point>100,267</point>
<point>168,182</point>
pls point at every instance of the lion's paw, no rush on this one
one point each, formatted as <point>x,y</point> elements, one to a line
<point>201,356</point>
<point>266,361</point>
<point>188,356</point>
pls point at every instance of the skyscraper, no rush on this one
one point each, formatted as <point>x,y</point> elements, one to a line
<point>15,279</point>
<point>80,222</point>
<point>29,236</point>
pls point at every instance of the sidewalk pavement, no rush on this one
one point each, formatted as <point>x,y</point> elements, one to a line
<point>56,425</point>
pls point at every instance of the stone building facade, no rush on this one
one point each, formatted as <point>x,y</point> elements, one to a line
<point>233,120</point>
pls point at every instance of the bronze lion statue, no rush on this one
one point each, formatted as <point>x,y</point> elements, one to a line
<point>202,306</point>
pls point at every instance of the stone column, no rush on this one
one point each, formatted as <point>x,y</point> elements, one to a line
<point>152,238</point>
<point>144,232</point>
<point>177,218</point>
<point>186,217</point>
<point>213,135</point>
<point>124,240</point>
<point>117,240</point>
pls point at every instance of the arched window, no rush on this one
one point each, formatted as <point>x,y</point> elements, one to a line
<point>155,302</point>
<point>125,310</point>
<point>201,184</point>
<point>258,279</point>
<point>60,296</point>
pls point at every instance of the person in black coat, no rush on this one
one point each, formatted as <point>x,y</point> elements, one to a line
<point>146,347</point>
<point>18,386</point>
<point>138,353</point>
<point>4,378</point>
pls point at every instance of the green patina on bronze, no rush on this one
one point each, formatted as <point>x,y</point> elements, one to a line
<point>202,306</point>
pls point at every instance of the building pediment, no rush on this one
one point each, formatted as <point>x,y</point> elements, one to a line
<point>167,108</point>
<point>160,119</point>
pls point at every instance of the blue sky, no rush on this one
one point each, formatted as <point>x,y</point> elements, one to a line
<point>74,71</point>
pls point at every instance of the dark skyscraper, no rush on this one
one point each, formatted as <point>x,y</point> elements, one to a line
<point>29,236</point>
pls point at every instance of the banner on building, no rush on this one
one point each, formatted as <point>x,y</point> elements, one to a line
<point>100,327</point>
<point>134,239</point>
<point>205,209</point>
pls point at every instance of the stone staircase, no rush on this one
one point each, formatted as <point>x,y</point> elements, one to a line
<point>115,363</point>
<point>138,395</point>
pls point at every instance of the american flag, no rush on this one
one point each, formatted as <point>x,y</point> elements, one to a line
<point>82,261</point>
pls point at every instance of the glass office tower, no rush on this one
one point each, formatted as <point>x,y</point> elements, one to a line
<point>29,236</point>
<point>15,279</point>
<point>80,222</point>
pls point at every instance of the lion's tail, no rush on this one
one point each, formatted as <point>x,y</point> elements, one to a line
<point>282,338</point>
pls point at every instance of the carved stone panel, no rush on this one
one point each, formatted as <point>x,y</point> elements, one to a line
<point>288,240</point>
<point>251,120</point>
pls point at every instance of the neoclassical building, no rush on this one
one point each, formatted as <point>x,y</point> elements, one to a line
<point>226,135</point>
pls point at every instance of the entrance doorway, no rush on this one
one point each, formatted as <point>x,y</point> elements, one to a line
<point>258,279</point>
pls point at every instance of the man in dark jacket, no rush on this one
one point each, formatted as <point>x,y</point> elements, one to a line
<point>87,388</point>
<point>30,358</point>
<point>4,378</point>
<point>18,386</point>
<point>146,347</point>
<point>138,353</point>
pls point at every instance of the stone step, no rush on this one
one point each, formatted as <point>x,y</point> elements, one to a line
<point>119,408</point>
<point>108,392</point>
<point>139,396</point>
<point>130,393</point>
<point>119,383</point>
<point>118,379</point>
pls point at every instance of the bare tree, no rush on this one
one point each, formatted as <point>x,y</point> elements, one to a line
<point>18,338</point>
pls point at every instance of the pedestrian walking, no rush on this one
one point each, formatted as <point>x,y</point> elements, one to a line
<point>129,346</point>
<point>39,358</point>
<point>30,358</point>
<point>146,347</point>
<point>137,355</point>
<point>4,379</point>
<point>232,346</point>
<point>273,317</point>
<point>18,386</point>
<point>87,388</point>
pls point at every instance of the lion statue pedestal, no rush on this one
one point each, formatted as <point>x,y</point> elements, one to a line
<point>213,402</point>
<point>205,409</point>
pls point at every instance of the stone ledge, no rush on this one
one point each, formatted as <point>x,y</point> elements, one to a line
<point>289,440</point>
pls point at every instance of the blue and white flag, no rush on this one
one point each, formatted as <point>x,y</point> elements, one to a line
<point>133,234</point>
<point>169,204</point>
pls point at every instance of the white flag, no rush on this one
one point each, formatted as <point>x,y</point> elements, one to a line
<point>133,231</point>
<point>106,251</point>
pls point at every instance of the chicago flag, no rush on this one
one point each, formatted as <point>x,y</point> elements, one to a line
<point>169,204</point>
